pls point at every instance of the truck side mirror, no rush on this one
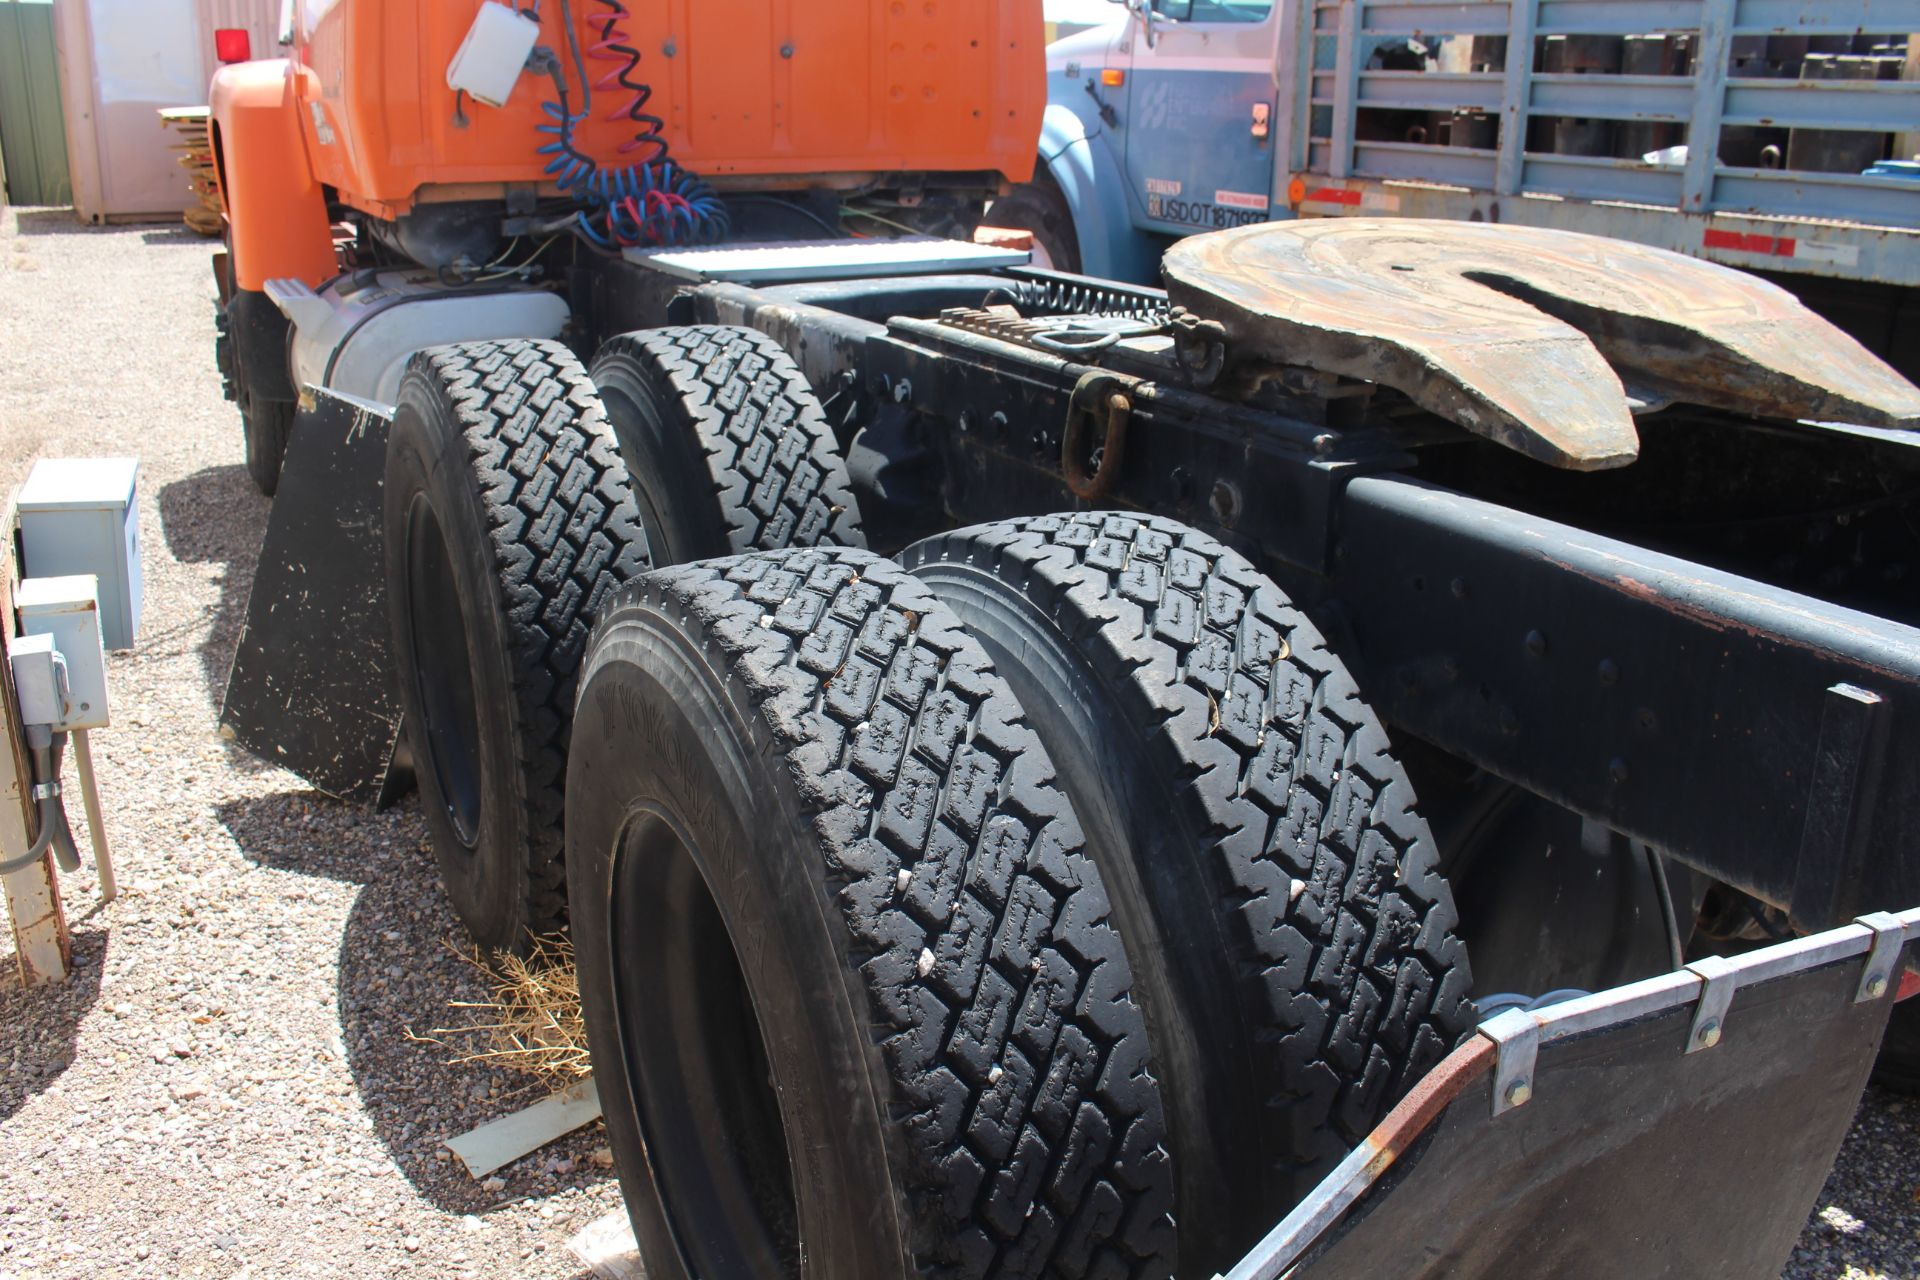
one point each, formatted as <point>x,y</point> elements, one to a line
<point>1143,10</point>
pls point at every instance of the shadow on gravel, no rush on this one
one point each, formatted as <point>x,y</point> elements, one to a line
<point>215,517</point>
<point>398,976</point>
<point>53,220</point>
<point>179,233</point>
<point>39,1027</point>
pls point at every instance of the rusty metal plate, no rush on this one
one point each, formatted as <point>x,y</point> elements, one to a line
<point>1531,337</point>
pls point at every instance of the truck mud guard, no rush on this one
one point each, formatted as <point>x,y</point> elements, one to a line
<point>311,685</point>
<point>1589,1138</point>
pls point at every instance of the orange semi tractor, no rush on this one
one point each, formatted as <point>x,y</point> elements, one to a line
<point>1089,889</point>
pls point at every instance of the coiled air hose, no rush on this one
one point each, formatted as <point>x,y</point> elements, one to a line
<point>651,201</point>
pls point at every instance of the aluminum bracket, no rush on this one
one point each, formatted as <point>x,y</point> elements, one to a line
<point>1516,1040</point>
<point>1719,978</point>
<point>1889,936</point>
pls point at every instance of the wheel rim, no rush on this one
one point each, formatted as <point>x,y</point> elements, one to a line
<point>710,1120</point>
<point>443,671</point>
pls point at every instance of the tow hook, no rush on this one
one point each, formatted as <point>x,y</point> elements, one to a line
<point>1099,398</point>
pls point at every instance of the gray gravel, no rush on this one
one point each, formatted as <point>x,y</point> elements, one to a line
<point>226,1086</point>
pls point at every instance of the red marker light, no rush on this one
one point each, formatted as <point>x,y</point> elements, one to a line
<point>232,44</point>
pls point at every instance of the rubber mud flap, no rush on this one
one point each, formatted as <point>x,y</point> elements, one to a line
<point>311,688</point>
<point>851,987</point>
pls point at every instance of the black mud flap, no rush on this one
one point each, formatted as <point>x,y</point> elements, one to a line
<point>1682,1126</point>
<point>312,683</point>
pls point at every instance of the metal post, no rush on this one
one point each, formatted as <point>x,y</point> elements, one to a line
<point>1709,99</point>
<point>1346,88</point>
<point>1515,92</point>
<point>96,828</point>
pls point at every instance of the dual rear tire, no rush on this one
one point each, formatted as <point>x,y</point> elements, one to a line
<point>517,500</point>
<point>863,999</point>
<point>850,983</point>
<point>1251,856</point>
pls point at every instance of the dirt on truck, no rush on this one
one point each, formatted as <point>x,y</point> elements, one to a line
<point>1378,757</point>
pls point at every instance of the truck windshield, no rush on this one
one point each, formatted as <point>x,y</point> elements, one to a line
<point>1215,10</point>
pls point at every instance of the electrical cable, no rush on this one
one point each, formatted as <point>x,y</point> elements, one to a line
<point>55,833</point>
<point>579,64</point>
<point>1676,947</point>
<point>648,202</point>
<point>850,211</point>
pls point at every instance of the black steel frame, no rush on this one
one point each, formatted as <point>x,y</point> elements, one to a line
<point>1750,732</point>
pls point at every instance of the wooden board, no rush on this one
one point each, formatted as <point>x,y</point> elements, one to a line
<point>42,947</point>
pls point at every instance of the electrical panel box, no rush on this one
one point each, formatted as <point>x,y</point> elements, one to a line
<point>489,61</point>
<point>39,681</point>
<point>68,611</point>
<point>82,516</point>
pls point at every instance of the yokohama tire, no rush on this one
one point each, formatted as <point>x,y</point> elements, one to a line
<point>831,917</point>
<point>1293,940</point>
<point>508,523</point>
<point>726,443</point>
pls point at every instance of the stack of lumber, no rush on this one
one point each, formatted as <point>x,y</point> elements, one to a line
<point>196,157</point>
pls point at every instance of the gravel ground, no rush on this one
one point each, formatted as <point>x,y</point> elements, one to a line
<point>227,1086</point>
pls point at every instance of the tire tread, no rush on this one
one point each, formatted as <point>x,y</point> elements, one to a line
<point>998,990</point>
<point>563,533</point>
<point>1341,929</point>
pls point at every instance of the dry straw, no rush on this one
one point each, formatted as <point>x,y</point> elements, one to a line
<point>530,1020</point>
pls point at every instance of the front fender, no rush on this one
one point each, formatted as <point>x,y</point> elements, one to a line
<point>276,211</point>
<point>1081,160</point>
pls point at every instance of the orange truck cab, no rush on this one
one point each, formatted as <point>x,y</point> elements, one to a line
<point>601,125</point>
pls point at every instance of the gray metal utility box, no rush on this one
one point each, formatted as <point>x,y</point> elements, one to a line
<point>82,515</point>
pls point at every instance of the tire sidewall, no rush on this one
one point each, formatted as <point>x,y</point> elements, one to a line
<point>426,453</point>
<point>672,485</point>
<point>657,731</point>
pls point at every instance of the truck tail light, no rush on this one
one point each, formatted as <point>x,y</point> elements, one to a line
<point>232,44</point>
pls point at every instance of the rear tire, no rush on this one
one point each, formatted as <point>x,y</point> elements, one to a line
<point>268,425</point>
<point>1039,207</point>
<point>726,443</point>
<point>508,524</point>
<point>849,982</point>
<point>1296,956</point>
